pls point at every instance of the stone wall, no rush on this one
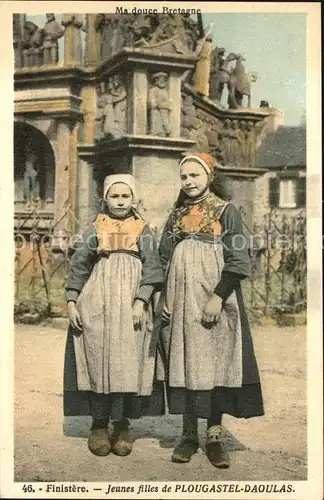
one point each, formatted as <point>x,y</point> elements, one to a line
<point>261,197</point>
<point>243,192</point>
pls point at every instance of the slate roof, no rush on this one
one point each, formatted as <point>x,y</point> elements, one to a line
<point>286,147</point>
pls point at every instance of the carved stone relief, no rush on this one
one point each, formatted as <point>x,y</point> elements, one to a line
<point>232,141</point>
<point>32,45</point>
<point>175,33</point>
<point>189,120</point>
<point>159,105</point>
<point>111,108</point>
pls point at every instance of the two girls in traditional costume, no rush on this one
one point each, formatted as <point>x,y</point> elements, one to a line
<point>205,353</point>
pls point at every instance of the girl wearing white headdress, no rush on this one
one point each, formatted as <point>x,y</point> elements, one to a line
<point>110,352</point>
<point>206,344</point>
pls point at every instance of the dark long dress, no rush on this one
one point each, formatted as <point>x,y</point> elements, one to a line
<point>206,370</point>
<point>109,368</point>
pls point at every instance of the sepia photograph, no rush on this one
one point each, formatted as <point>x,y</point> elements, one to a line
<point>162,201</point>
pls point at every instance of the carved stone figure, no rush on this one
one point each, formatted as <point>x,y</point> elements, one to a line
<point>126,35</point>
<point>107,103</point>
<point>239,85</point>
<point>212,135</point>
<point>32,45</point>
<point>201,138</point>
<point>218,151</point>
<point>159,105</point>
<point>221,68</point>
<point>189,120</point>
<point>111,108</point>
<point>119,103</point>
<point>107,24</point>
<point>199,43</point>
<point>31,188</point>
<point>164,32</point>
<point>202,74</point>
<point>169,34</point>
<point>52,32</point>
<point>142,29</point>
<point>191,33</point>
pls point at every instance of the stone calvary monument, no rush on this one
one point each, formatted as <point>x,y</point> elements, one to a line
<point>137,93</point>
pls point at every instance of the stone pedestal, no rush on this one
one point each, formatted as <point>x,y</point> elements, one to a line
<point>66,177</point>
<point>153,161</point>
<point>243,183</point>
<point>158,184</point>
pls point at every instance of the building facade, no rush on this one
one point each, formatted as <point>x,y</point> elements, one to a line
<point>131,98</point>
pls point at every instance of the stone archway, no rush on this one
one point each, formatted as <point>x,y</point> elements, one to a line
<point>27,137</point>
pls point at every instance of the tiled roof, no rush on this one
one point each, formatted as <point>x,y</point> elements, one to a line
<point>286,147</point>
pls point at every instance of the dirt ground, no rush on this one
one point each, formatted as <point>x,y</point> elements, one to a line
<point>49,448</point>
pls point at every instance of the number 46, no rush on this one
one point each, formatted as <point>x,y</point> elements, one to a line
<point>28,488</point>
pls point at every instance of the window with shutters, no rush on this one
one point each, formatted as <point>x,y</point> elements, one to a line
<point>274,192</point>
<point>301,192</point>
<point>287,193</point>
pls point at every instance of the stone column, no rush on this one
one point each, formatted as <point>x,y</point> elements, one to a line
<point>175,96</point>
<point>89,102</point>
<point>18,33</point>
<point>73,163</point>
<point>85,169</point>
<point>85,194</point>
<point>139,102</point>
<point>92,56</point>
<point>72,39</point>
<point>62,175</point>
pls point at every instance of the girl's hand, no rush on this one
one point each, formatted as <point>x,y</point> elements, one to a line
<point>138,313</point>
<point>212,311</point>
<point>74,316</point>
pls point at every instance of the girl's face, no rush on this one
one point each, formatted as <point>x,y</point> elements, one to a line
<point>119,200</point>
<point>194,179</point>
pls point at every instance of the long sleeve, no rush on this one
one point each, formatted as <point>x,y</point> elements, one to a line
<point>82,263</point>
<point>166,245</point>
<point>152,274</point>
<point>235,250</point>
